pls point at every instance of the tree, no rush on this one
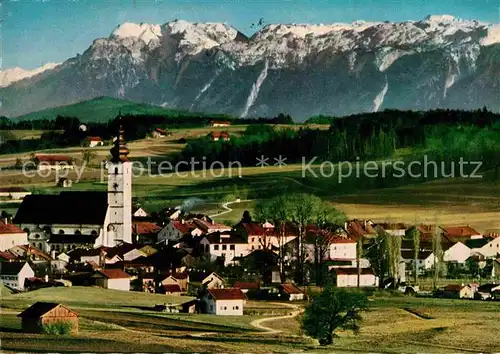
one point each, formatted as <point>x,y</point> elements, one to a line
<point>437,250</point>
<point>246,218</point>
<point>332,309</point>
<point>415,236</point>
<point>88,156</point>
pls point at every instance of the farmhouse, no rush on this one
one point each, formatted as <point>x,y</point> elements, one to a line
<point>458,291</point>
<point>14,193</point>
<point>91,218</point>
<point>491,249</point>
<point>395,229</point>
<point>485,291</point>
<point>425,259</point>
<point>290,292</point>
<point>216,136</point>
<point>159,133</point>
<point>115,279</point>
<point>348,277</point>
<point>41,314</point>
<point>14,274</point>
<point>266,236</point>
<point>171,289</point>
<point>11,235</point>
<point>219,123</point>
<point>53,162</point>
<point>223,302</point>
<point>145,232</point>
<point>94,141</point>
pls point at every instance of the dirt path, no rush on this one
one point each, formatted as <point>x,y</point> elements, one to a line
<point>228,209</point>
<point>258,323</point>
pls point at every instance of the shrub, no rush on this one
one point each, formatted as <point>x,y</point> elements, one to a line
<point>61,327</point>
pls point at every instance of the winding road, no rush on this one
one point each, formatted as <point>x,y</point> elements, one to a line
<point>228,209</point>
<point>258,323</point>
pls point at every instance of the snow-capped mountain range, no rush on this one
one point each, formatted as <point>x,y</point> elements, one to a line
<point>10,76</point>
<point>300,69</point>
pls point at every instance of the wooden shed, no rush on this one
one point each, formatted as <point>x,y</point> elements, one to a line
<point>35,317</point>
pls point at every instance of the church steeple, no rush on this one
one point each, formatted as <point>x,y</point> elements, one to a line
<point>119,151</point>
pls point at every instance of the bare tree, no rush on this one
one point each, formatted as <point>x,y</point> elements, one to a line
<point>437,250</point>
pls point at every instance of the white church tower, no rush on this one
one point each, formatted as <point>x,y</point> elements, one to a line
<point>119,226</point>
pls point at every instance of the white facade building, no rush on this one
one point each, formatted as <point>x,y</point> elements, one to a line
<point>115,279</point>
<point>11,235</point>
<point>226,302</point>
<point>14,274</point>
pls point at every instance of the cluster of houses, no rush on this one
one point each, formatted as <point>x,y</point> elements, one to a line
<point>100,239</point>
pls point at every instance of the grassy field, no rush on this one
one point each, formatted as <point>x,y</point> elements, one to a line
<point>392,324</point>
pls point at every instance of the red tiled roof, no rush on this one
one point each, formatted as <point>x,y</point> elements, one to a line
<point>8,229</point>
<point>113,273</point>
<point>145,227</point>
<point>219,134</point>
<point>454,287</point>
<point>161,131</point>
<point>94,138</point>
<point>7,255</point>
<point>358,229</point>
<point>182,227</point>
<point>220,122</point>
<point>340,239</point>
<point>393,226</point>
<point>227,294</point>
<point>52,158</point>
<point>247,285</point>
<point>352,271</point>
<point>290,288</point>
<point>210,226</point>
<point>172,288</point>
<point>460,231</point>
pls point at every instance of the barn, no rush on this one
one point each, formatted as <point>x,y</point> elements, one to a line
<point>35,317</point>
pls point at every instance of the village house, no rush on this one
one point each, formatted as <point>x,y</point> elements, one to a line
<point>348,277</point>
<point>458,291</point>
<point>290,292</point>
<point>13,193</point>
<point>226,302</point>
<point>336,246</point>
<point>491,249</point>
<point>59,263</point>
<point>395,229</point>
<point>219,123</point>
<point>179,279</point>
<point>206,280</point>
<point>485,291</point>
<point>175,229</point>
<point>11,235</point>
<point>425,260</point>
<point>216,136</point>
<point>458,253</point>
<point>53,162</point>
<point>456,234</point>
<point>7,256</point>
<point>41,314</point>
<point>158,133</point>
<point>266,236</point>
<point>145,232</point>
<point>360,229</point>
<point>245,286</point>
<point>94,141</point>
<point>115,279</point>
<point>227,246</point>
<point>171,289</point>
<point>14,274</point>
<point>138,212</point>
<point>209,227</point>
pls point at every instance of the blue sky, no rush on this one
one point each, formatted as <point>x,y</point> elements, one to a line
<point>35,32</point>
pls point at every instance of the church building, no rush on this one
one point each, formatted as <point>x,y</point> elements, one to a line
<point>68,220</point>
